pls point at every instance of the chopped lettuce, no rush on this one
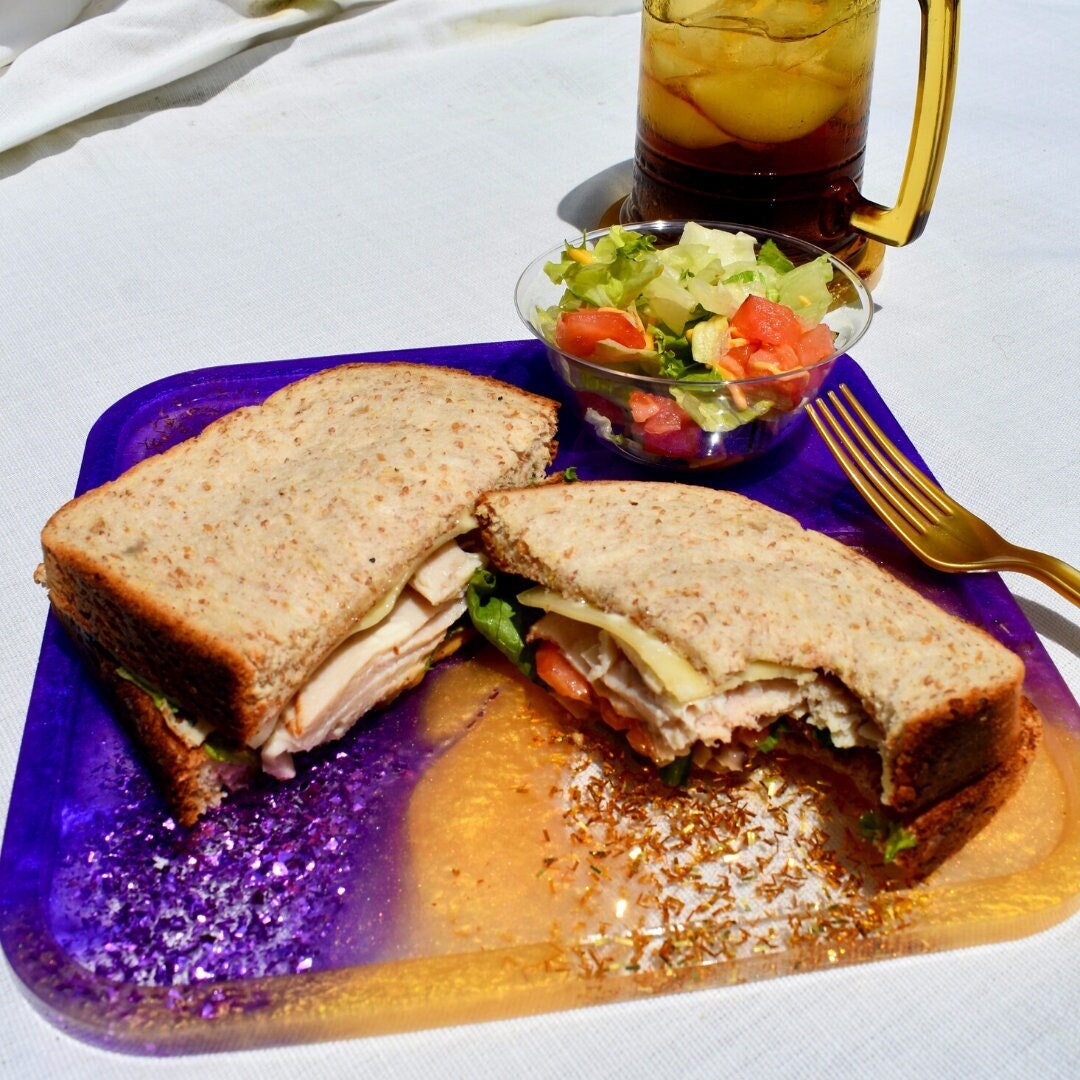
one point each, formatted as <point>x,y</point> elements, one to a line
<point>669,302</point>
<point>769,743</point>
<point>711,338</point>
<point>230,754</point>
<point>772,256</point>
<point>676,772</point>
<point>716,413</point>
<point>899,839</point>
<point>161,702</point>
<point>684,296</point>
<point>726,246</point>
<point>709,272</point>
<point>890,836</point>
<point>612,274</point>
<point>805,289</point>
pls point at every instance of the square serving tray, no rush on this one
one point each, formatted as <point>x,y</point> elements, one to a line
<point>464,854</point>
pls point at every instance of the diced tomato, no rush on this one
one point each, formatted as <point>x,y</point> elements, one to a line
<point>656,414</point>
<point>815,344</point>
<point>734,361</point>
<point>761,320</point>
<point>793,386</point>
<point>776,343</point>
<point>579,332</point>
<point>772,360</point>
<point>555,670</point>
<point>763,363</point>
<point>683,443</point>
<point>663,427</point>
<point>666,420</point>
<point>643,406</point>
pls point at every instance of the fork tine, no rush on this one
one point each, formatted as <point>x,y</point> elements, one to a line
<point>887,474</point>
<point>888,505</point>
<point>919,481</point>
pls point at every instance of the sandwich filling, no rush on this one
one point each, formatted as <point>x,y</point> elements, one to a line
<point>597,662</point>
<point>388,652</point>
<point>383,657</point>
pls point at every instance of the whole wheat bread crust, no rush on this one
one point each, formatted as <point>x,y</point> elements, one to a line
<point>226,568</point>
<point>944,828</point>
<point>189,781</point>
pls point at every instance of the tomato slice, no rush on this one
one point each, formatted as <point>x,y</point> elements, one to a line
<point>579,332</point>
<point>761,320</point>
<point>555,670</point>
<point>612,718</point>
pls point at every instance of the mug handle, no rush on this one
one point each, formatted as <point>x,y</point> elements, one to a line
<point>904,222</point>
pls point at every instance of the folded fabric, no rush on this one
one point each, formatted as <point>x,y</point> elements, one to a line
<point>25,22</point>
<point>68,58</point>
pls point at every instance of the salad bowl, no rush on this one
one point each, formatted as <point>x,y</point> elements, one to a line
<point>691,345</point>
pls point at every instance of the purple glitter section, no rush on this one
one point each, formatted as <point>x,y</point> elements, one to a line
<point>116,920</point>
<point>257,888</point>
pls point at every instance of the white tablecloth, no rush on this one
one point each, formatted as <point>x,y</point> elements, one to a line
<point>375,179</point>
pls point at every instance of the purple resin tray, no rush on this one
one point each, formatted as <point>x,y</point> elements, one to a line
<point>251,928</point>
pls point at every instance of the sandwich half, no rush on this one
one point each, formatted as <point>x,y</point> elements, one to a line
<point>708,627</point>
<point>251,592</point>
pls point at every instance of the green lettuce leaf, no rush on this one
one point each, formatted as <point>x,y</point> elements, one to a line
<point>676,772</point>
<point>623,262</point>
<point>716,413</point>
<point>501,619</point>
<point>805,289</point>
<point>771,255</point>
<point>899,839</point>
<point>890,836</point>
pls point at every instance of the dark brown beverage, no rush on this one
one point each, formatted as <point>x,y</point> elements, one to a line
<point>757,115</point>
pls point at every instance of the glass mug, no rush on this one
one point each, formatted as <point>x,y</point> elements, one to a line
<point>756,112</point>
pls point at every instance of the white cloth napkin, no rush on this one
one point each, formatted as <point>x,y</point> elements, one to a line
<point>24,22</point>
<point>61,60</point>
<point>64,59</point>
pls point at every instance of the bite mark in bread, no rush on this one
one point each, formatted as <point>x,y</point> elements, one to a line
<point>729,583</point>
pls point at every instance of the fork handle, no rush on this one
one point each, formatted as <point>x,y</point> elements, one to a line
<point>1060,576</point>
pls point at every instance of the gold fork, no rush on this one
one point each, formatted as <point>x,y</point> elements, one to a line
<point>933,525</point>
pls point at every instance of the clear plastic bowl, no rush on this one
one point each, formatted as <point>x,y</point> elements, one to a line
<point>601,393</point>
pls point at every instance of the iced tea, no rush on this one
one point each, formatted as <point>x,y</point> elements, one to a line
<point>754,111</point>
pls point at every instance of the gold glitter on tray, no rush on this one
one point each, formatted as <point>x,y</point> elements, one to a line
<point>528,831</point>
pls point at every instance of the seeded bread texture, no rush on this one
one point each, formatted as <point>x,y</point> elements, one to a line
<point>225,569</point>
<point>726,581</point>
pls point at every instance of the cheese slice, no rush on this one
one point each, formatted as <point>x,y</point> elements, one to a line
<point>438,552</point>
<point>763,670</point>
<point>671,670</point>
<point>674,672</point>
